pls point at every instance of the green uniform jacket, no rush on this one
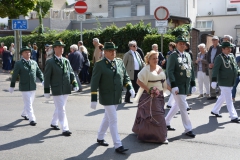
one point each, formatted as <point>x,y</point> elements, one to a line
<point>177,76</point>
<point>109,81</point>
<point>226,74</point>
<point>27,74</point>
<point>59,77</point>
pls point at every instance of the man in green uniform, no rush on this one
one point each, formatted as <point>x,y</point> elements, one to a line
<point>225,71</point>
<point>59,76</point>
<point>181,76</point>
<point>109,76</point>
<point>27,70</point>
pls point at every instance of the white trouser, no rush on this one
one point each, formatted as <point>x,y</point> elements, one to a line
<point>110,120</point>
<point>181,104</point>
<point>28,98</point>
<point>171,100</point>
<point>226,95</point>
<point>60,113</point>
<point>203,79</point>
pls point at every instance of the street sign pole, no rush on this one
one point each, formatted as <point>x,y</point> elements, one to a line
<point>162,43</point>
<point>81,29</point>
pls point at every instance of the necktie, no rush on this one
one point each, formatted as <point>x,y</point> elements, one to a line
<point>139,63</point>
<point>28,62</point>
<point>60,60</point>
<point>113,63</point>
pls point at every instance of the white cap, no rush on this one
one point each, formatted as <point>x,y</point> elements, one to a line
<point>215,37</point>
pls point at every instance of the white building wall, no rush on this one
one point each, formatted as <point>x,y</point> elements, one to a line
<point>192,11</point>
<point>223,24</point>
<point>95,9</point>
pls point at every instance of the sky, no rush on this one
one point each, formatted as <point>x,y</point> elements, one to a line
<point>5,20</point>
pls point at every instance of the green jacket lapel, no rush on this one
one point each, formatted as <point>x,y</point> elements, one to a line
<point>58,62</point>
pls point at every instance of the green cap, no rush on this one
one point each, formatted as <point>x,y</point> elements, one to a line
<point>25,48</point>
<point>226,44</point>
<point>58,43</point>
<point>181,39</point>
<point>109,46</point>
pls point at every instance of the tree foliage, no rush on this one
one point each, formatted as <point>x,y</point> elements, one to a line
<point>45,5</point>
<point>184,29</point>
<point>14,8</point>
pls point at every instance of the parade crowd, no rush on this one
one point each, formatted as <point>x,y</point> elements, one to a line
<point>148,78</point>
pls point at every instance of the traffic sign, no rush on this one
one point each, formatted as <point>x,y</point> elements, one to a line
<point>81,17</point>
<point>19,24</point>
<point>163,23</point>
<point>161,13</point>
<point>80,7</point>
<point>162,30</point>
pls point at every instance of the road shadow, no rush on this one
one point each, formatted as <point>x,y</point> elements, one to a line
<point>130,142</point>
<point>39,138</point>
<point>11,126</point>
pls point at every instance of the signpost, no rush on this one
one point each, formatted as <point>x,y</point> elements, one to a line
<point>161,15</point>
<point>18,25</point>
<point>81,7</point>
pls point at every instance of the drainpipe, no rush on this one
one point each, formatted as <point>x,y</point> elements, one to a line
<point>186,8</point>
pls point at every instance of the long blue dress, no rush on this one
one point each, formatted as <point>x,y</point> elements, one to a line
<point>7,58</point>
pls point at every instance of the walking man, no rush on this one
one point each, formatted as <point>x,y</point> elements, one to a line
<point>27,70</point>
<point>181,76</point>
<point>225,71</point>
<point>59,76</point>
<point>109,76</point>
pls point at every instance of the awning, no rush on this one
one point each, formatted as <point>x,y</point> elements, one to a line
<point>237,27</point>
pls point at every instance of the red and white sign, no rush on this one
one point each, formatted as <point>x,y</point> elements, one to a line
<point>80,7</point>
<point>161,13</point>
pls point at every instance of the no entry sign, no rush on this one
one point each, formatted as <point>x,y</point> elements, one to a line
<point>80,7</point>
<point>161,13</point>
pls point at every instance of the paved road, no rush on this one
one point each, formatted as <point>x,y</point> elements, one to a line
<point>216,138</point>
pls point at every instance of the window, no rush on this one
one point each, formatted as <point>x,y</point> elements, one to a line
<point>140,10</point>
<point>193,3</point>
<point>204,25</point>
<point>122,12</point>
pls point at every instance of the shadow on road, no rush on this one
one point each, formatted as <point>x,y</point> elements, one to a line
<point>10,126</point>
<point>31,140</point>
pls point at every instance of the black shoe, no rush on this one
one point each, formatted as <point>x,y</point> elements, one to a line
<point>188,109</point>
<point>32,123</point>
<point>217,115</point>
<point>190,134</point>
<point>55,127</point>
<point>128,102</point>
<point>25,117</point>
<point>102,142</point>
<point>169,128</point>
<point>67,133</point>
<point>211,98</point>
<point>236,120</point>
<point>121,149</point>
<point>169,106</point>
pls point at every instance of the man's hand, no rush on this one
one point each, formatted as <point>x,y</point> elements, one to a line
<point>93,105</point>
<point>47,95</point>
<point>175,90</point>
<point>194,89</point>
<point>76,88</point>
<point>163,62</point>
<point>11,89</point>
<point>211,65</point>
<point>43,83</point>
<point>132,93</point>
<point>214,85</point>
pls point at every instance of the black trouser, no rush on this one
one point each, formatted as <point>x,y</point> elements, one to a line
<point>135,86</point>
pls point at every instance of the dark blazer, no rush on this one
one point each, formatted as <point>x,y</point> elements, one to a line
<point>141,53</point>
<point>76,60</point>
<point>219,51</point>
<point>160,59</point>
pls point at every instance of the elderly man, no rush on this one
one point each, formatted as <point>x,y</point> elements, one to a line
<point>181,76</point>
<point>27,70</point>
<point>225,71</point>
<point>76,60</point>
<point>97,52</point>
<point>59,76</point>
<point>108,77</point>
<point>161,59</point>
<point>213,51</point>
<point>228,38</point>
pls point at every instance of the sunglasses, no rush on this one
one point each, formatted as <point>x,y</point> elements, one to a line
<point>133,46</point>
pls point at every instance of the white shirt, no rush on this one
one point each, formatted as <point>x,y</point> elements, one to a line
<point>59,58</point>
<point>136,64</point>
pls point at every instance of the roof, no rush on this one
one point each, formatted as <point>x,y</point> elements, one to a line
<point>180,18</point>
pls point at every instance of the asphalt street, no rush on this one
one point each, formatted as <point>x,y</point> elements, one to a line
<point>216,138</point>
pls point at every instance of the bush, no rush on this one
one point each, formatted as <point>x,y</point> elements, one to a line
<point>149,40</point>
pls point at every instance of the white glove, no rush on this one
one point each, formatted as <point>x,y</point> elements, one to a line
<point>47,95</point>
<point>214,85</point>
<point>174,90</point>
<point>76,88</point>
<point>194,89</point>
<point>43,83</point>
<point>93,105</point>
<point>132,93</point>
<point>11,89</point>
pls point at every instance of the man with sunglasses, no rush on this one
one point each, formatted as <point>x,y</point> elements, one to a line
<point>133,64</point>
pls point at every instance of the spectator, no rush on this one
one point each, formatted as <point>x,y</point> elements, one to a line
<point>139,50</point>
<point>76,60</point>
<point>213,51</point>
<point>6,58</point>
<point>80,43</point>
<point>86,64</point>
<point>202,70</point>
<point>228,38</point>
<point>133,63</point>
<point>161,59</point>
<point>34,54</point>
<point>100,46</point>
<point>1,49</point>
<point>97,51</point>
<point>49,51</point>
<point>234,89</point>
<point>12,50</point>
